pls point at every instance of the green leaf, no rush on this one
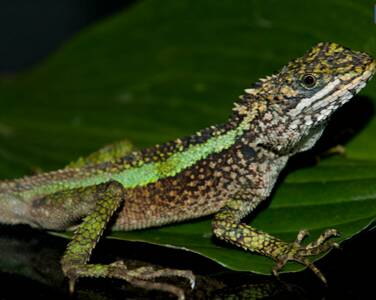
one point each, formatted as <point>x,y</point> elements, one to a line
<point>162,70</point>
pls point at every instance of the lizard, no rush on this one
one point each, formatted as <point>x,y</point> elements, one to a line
<point>225,170</point>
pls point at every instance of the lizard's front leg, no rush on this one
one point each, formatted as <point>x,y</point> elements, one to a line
<point>227,226</point>
<point>110,152</point>
<point>75,260</point>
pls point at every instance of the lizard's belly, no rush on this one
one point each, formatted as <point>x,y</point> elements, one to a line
<point>168,201</point>
<point>197,191</point>
<point>200,190</point>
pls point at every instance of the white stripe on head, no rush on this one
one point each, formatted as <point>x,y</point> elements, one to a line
<point>344,95</point>
<point>305,102</point>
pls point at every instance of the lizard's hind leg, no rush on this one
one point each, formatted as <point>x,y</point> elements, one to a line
<point>75,260</point>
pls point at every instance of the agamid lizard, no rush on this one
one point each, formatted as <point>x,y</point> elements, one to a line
<point>225,170</point>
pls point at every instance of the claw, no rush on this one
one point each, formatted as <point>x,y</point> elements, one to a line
<point>278,266</point>
<point>317,272</point>
<point>301,235</point>
<point>275,272</point>
<point>297,252</point>
<point>337,246</point>
<point>322,239</point>
<point>119,264</point>
<point>71,286</point>
<point>189,276</point>
<point>192,280</point>
<point>331,233</point>
<point>193,283</point>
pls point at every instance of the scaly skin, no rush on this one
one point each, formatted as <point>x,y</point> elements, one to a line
<point>226,170</point>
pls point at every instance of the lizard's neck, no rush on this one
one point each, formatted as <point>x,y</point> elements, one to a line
<point>271,128</point>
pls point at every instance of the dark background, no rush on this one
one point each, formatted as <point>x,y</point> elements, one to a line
<point>30,30</point>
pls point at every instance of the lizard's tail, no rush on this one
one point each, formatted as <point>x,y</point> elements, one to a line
<point>12,208</point>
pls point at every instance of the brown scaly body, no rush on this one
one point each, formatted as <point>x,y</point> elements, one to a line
<point>226,170</point>
<point>199,190</point>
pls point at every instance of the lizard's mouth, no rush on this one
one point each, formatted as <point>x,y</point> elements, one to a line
<point>350,89</point>
<point>361,81</point>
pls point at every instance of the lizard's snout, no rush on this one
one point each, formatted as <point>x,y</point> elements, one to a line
<point>364,64</point>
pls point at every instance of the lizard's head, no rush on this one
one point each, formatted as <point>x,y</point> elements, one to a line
<point>298,100</point>
<point>315,85</point>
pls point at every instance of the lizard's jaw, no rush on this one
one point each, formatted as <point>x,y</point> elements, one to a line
<point>344,93</point>
<point>365,77</point>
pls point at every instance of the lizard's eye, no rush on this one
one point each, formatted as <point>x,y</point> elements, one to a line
<point>309,81</point>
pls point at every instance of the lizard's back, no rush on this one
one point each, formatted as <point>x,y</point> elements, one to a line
<point>179,180</point>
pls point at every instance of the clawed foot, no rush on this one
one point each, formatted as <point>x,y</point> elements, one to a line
<point>140,277</point>
<point>300,253</point>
